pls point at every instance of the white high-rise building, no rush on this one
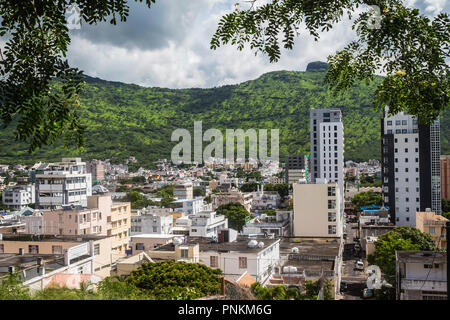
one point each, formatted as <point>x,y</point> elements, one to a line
<point>62,183</point>
<point>327,146</point>
<point>410,167</point>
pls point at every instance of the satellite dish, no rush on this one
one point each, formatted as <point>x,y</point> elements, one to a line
<point>252,243</point>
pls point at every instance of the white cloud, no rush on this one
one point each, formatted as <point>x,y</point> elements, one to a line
<point>173,50</point>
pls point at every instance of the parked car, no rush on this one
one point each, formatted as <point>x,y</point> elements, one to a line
<point>359,265</point>
<point>368,293</point>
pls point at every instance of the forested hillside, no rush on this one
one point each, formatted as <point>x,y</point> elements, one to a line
<point>128,120</point>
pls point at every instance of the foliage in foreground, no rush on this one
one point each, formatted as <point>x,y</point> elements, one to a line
<point>280,292</point>
<point>399,238</point>
<point>166,280</point>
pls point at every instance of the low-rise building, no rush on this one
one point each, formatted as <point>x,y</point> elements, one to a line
<point>207,224</point>
<point>265,200</point>
<point>18,196</point>
<point>97,247</point>
<point>190,206</point>
<point>278,225</point>
<point>147,242</point>
<point>421,275</point>
<point>433,224</point>
<point>218,199</point>
<point>151,223</point>
<point>183,191</point>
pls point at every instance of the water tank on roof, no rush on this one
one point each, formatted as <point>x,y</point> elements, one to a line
<point>260,244</point>
<point>178,240</point>
<point>252,243</point>
<point>294,250</point>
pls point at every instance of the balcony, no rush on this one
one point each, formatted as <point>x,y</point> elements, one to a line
<point>50,187</point>
<point>429,285</point>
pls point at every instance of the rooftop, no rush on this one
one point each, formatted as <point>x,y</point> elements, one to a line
<point>421,256</point>
<point>205,244</point>
<point>154,236</point>
<point>311,246</point>
<point>52,238</point>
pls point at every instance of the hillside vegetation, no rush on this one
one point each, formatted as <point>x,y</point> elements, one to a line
<point>125,120</point>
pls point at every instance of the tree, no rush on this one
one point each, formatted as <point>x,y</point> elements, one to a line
<point>198,192</point>
<point>365,199</point>
<point>39,90</point>
<point>175,280</point>
<point>11,288</point>
<point>250,187</point>
<point>236,214</point>
<point>399,238</point>
<point>281,188</point>
<point>281,292</point>
<point>410,48</point>
<point>445,205</point>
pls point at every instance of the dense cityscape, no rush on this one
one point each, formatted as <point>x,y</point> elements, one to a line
<point>312,225</point>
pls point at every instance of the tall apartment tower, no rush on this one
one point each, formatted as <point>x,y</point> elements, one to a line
<point>62,183</point>
<point>327,146</point>
<point>410,167</point>
<point>294,168</point>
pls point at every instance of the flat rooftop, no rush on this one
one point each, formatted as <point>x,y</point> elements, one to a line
<point>154,236</point>
<point>52,238</point>
<point>205,244</point>
<point>310,246</point>
<point>421,256</point>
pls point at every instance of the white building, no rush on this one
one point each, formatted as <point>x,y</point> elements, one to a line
<point>190,206</point>
<point>62,183</point>
<point>151,224</point>
<point>265,200</point>
<point>207,224</point>
<point>421,275</point>
<point>257,257</point>
<point>19,196</point>
<point>327,146</point>
<point>411,167</point>
<point>317,210</point>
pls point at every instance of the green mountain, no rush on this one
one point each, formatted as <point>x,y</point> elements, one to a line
<point>125,120</point>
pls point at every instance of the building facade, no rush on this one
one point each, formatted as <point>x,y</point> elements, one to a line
<point>62,183</point>
<point>151,224</point>
<point>445,176</point>
<point>410,167</point>
<point>317,210</point>
<point>207,224</point>
<point>327,146</point>
<point>18,196</point>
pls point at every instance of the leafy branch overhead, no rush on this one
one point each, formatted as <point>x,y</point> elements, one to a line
<point>34,57</point>
<point>409,48</point>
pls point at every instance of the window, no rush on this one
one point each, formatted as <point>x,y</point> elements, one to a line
<point>57,250</point>
<point>389,122</point>
<point>155,229</point>
<point>140,246</point>
<point>331,229</point>
<point>2,248</point>
<point>331,204</point>
<point>331,216</point>
<point>242,262</point>
<point>331,191</point>
<point>214,261</point>
<point>404,122</point>
<point>184,253</point>
<point>33,249</point>
<point>96,249</point>
<point>389,132</point>
<point>431,230</point>
<point>397,122</point>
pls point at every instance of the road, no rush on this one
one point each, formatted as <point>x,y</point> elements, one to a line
<point>355,279</point>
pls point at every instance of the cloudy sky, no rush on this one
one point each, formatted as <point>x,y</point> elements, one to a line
<point>168,46</point>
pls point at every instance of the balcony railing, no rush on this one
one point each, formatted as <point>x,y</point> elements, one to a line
<point>429,285</point>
